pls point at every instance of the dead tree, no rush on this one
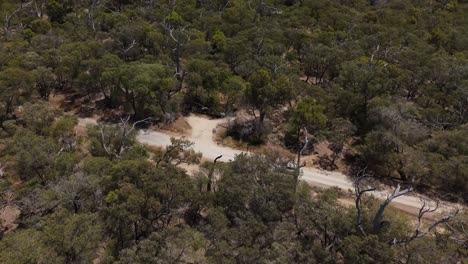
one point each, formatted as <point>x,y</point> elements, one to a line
<point>39,7</point>
<point>210,174</point>
<point>180,151</point>
<point>459,233</point>
<point>358,192</point>
<point>9,17</point>
<point>258,10</point>
<point>299,154</point>
<point>170,28</point>
<point>418,232</point>
<point>377,223</point>
<point>90,14</point>
<point>1,169</point>
<point>126,48</point>
<point>126,130</point>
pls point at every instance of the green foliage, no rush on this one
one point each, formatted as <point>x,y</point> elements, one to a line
<point>26,246</point>
<point>57,10</point>
<point>205,81</point>
<point>263,92</point>
<point>40,26</point>
<point>218,41</point>
<point>384,79</point>
<point>61,238</point>
<point>254,182</point>
<point>180,151</point>
<point>178,244</point>
<point>35,156</point>
<point>112,141</point>
<point>75,237</point>
<point>143,84</point>
<point>174,18</point>
<point>38,117</point>
<point>16,87</point>
<point>308,114</point>
<point>370,250</point>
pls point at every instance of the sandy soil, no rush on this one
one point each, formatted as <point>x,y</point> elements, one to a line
<point>180,127</point>
<point>83,123</point>
<point>8,216</point>
<point>56,100</point>
<point>202,136</point>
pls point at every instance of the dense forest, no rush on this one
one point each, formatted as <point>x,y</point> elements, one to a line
<point>382,82</point>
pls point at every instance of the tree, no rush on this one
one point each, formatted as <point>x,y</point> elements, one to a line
<point>340,131</point>
<point>152,83</point>
<point>204,81</point>
<point>263,93</point>
<point>75,237</point>
<point>306,114</point>
<point>174,245</point>
<point>142,199</point>
<point>9,17</point>
<point>27,246</point>
<point>16,87</point>
<point>45,80</point>
<point>319,62</point>
<point>114,140</point>
<point>218,41</point>
<point>60,238</point>
<point>232,89</point>
<point>35,156</point>
<point>173,25</point>
<point>378,223</point>
<point>178,152</point>
<point>38,117</point>
<point>57,10</point>
<point>362,81</point>
<point>256,182</point>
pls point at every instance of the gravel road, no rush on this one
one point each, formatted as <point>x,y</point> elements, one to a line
<point>202,136</point>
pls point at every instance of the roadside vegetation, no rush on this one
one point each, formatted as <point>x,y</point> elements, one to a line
<point>382,84</point>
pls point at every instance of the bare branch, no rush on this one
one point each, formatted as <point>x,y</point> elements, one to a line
<point>129,47</point>
<point>418,233</point>
<point>126,133</point>
<point>103,141</point>
<point>358,192</point>
<point>91,14</point>
<point>299,154</point>
<point>396,193</point>
<point>374,53</point>
<point>146,120</point>
<point>8,18</point>
<point>180,151</point>
<point>2,172</point>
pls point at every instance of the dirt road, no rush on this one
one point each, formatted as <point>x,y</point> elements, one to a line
<point>202,136</point>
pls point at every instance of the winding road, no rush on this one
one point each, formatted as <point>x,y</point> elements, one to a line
<point>202,136</point>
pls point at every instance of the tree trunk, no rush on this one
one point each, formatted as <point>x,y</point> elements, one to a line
<point>258,10</point>
<point>262,118</point>
<point>177,56</point>
<point>376,223</point>
<point>210,175</point>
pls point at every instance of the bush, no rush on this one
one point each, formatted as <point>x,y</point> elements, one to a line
<point>40,26</point>
<point>251,132</point>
